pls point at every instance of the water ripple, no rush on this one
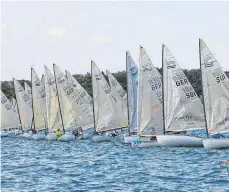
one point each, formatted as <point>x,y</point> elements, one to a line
<point>30,166</point>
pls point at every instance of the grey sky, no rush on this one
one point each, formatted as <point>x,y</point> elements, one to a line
<point>70,34</point>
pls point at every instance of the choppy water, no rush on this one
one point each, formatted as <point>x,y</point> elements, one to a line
<point>29,165</point>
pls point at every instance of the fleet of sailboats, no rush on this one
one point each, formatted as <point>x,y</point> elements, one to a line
<point>156,109</point>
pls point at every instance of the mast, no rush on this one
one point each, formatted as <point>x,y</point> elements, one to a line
<point>58,98</point>
<point>17,106</point>
<point>163,102</point>
<point>33,121</point>
<point>206,126</point>
<point>93,99</point>
<point>128,113</point>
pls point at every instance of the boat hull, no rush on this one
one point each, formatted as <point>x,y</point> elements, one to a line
<point>51,137</point>
<point>179,141</point>
<point>38,136</point>
<point>130,139</point>
<point>211,143</point>
<point>101,138</point>
<point>26,135</point>
<point>4,134</point>
<point>144,144</point>
<point>66,137</point>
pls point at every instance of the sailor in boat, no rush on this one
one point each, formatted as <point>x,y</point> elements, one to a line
<point>46,131</point>
<point>114,134</point>
<point>153,138</point>
<point>58,133</point>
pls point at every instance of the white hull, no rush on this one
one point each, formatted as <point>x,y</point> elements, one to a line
<point>51,137</point>
<point>211,143</point>
<point>38,136</point>
<point>143,144</point>
<point>27,135</point>
<point>101,138</point>
<point>130,139</point>
<point>66,137</point>
<point>179,141</point>
<point>4,134</point>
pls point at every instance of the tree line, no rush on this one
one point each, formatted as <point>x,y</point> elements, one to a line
<point>85,80</point>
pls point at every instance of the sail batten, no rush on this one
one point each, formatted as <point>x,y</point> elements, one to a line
<point>215,91</point>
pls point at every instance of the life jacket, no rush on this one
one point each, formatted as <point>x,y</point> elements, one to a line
<point>58,133</point>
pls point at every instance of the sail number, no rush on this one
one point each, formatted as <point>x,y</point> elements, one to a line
<point>220,78</point>
<point>155,83</point>
<point>219,75</point>
<point>180,79</point>
<point>190,94</point>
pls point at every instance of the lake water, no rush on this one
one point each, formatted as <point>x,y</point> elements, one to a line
<point>28,165</point>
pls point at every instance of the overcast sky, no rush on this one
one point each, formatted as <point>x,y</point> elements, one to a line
<point>70,34</point>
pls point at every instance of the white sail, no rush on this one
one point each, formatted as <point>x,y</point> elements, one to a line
<point>150,119</point>
<point>39,103</point>
<point>14,103</point>
<point>183,109</point>
<point>105,114</point>
<point>24,105</point>
<point>76,84</point>
<point>215,91</point>
<point>52,106</point>
<point>121,104</point>
<point>75,108</point>
<point>9,117</point>
<point>132,89</point>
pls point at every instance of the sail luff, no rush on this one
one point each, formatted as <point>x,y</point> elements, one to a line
<point>163,87</point>
<point>32,97</point>
<point>206,126</point>
<point>93,104</point>
<point>128,112</point>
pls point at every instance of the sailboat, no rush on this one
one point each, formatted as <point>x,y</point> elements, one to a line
<point>132,89</point>
<point>86,101</point>
<point>215,84</point>
<point>24,104</point>
<point>150,121</point>
<point>182,108</point>
<point>121,103</point>
<point>75,109</point>
<point>54,120</point>
<point>106,117</point>
<point>9,117</point>
<point>38,105</point>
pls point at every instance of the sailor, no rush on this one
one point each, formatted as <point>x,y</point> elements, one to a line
<point>58,133</point>
<point>114,133</point>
